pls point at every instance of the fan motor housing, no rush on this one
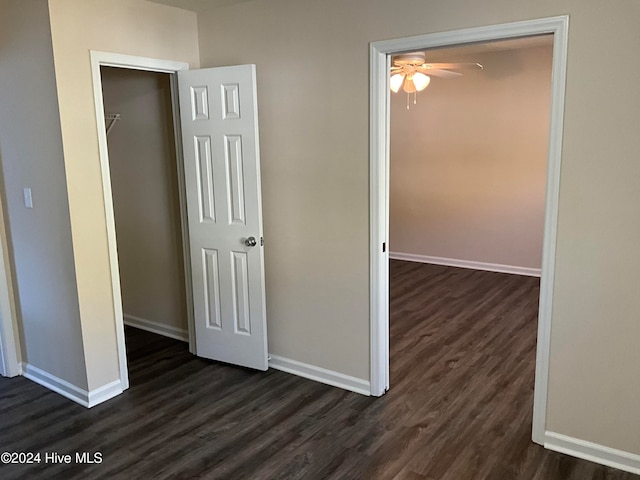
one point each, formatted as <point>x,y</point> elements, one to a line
<point>412,58</point>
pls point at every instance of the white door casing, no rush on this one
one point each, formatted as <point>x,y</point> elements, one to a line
<point>10,355</point>
<point>218,112</point>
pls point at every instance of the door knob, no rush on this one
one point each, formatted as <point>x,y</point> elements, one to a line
<point>250,242</point>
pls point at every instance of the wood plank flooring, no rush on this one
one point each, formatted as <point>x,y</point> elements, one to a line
<point>462,364</point>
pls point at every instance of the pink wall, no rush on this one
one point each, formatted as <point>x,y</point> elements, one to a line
<point>468,162</point>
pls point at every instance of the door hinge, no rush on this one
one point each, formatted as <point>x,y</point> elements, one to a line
<point>262,241</point>
<point>384,247</point>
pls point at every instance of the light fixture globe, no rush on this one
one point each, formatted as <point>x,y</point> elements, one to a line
<point>395,82</point>
<point>421,81</point>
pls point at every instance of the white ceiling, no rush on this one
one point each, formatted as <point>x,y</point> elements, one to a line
<point>198,5</point>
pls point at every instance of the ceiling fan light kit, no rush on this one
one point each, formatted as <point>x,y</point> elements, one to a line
<point>412,74</point>
<point>411,83</point>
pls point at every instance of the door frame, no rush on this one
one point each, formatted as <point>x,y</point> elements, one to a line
<point>380,62</point>
<point>10,352</point>
<point>107,59</point>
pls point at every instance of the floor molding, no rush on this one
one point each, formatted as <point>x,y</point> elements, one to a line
<point>629,462</point>
<point>72,392</point>
<point>156,327</point>
<point>104,393</point>
<point>320,374</point>
<point>453,262</point>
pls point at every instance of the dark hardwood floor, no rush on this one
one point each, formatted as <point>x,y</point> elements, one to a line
<point>460,404</point>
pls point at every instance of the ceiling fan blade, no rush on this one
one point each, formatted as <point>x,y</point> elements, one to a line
<point>436,72</point>
<point>451,66</point>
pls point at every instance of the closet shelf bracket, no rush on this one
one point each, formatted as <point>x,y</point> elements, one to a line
<point>111,119</point>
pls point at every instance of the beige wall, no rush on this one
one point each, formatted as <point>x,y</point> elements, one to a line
<point>468,161</point>
<point>312,67</point>
<point>313,143</point>
<point>133,27</point>
<point>31,156</point>
<point>145,195</point>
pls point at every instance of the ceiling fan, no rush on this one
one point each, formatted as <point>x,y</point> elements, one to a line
<point>410,72</point>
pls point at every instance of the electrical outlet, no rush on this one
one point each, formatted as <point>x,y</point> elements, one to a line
<point>28,199</point>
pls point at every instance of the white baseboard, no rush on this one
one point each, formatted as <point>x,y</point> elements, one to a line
<point>453,262</point>
<point>321,375</point>
<point>629,462</point>
<point>104,393</point>
<point>156,327</point>
<point>72,392</point>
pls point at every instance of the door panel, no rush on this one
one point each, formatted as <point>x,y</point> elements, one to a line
<point>218,111</point>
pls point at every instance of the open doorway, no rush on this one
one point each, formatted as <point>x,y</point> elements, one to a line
<point>146,199</point>
<point>468,168</point>
<point>147,206</point>
<point>379,178</point>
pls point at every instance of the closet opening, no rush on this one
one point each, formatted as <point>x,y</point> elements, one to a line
<point>145,184</point>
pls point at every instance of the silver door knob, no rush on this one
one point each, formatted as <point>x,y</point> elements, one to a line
<point>250,242</point>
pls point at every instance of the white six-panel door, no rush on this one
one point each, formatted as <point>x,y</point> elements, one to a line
<point>218,111</point>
